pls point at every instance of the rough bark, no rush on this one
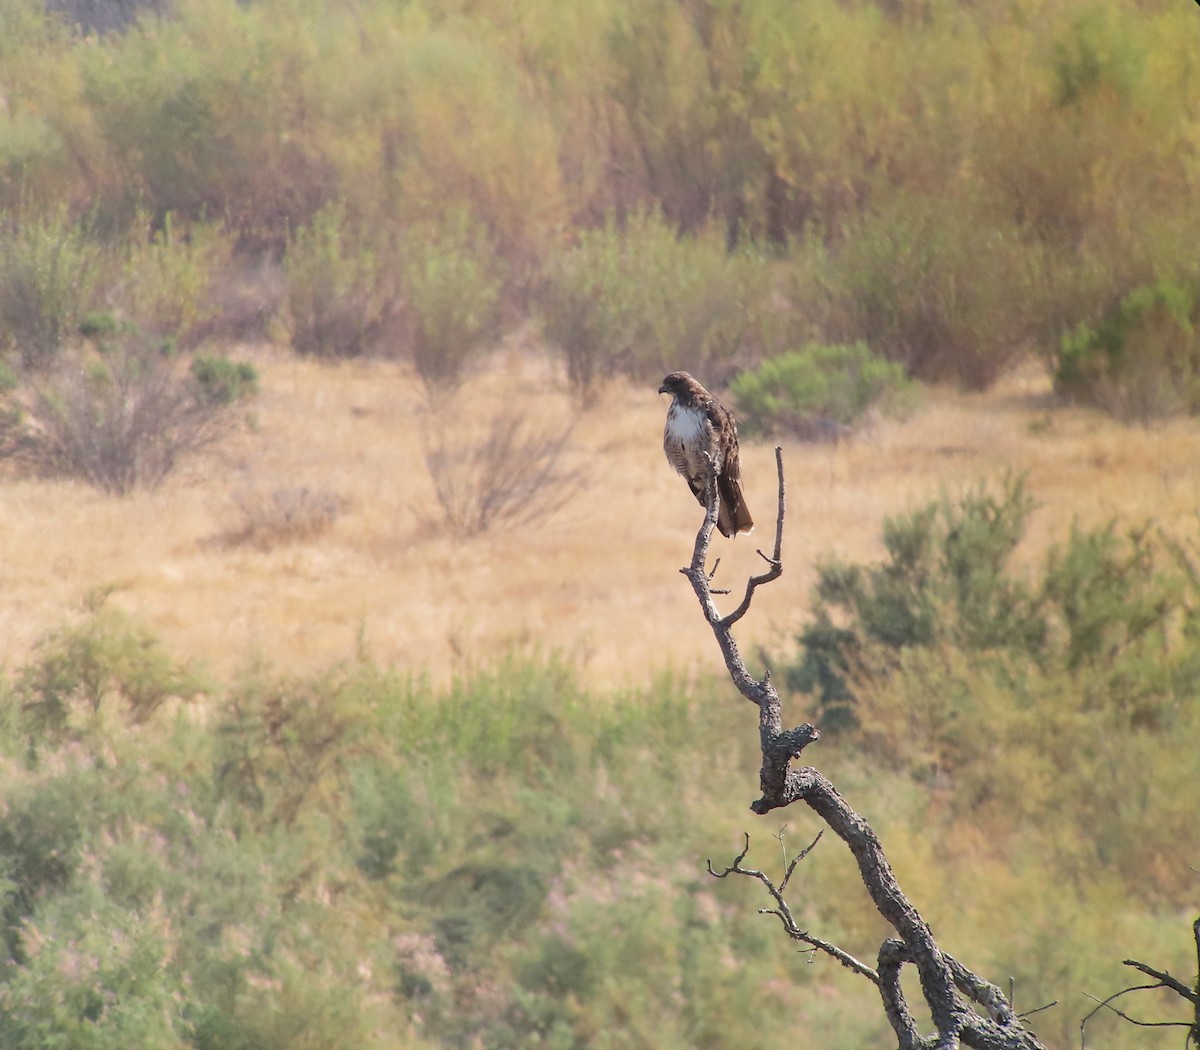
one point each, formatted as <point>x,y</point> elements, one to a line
<point>965,1009</point>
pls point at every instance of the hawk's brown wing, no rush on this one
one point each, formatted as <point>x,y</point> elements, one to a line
<point>733,515</point>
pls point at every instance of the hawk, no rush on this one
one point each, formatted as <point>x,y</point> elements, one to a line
<point>698,428</point>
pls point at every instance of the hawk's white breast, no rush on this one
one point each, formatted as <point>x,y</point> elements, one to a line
<point>689,440</point>
<point>688,426</point>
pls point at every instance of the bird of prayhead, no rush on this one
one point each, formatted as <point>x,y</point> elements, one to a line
<point>701,430</point>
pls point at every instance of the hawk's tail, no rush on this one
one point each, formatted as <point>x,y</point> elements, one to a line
<point>733,518</point>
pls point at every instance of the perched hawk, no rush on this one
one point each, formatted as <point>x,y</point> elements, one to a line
<point>698,424</point>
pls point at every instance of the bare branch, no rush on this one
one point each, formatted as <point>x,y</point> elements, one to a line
<point>949,988</point>
<point>1106,1004</point>
<point>783,912</point>
<point>1164,979</point>
<point>774,563</point>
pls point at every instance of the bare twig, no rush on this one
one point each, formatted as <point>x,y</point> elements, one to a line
<point>1164,979</point>
<point>784,913</point>
<point>1106,1004</point>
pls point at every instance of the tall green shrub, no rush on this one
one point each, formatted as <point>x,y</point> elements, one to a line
<point>167,286</point>
<point>340,296</point>
<point>639,298</point>
<point>1111,615</point>
<point>1141,361</point>
<point>452,280</point>
<point>936,286</point>
<point>51,273</point>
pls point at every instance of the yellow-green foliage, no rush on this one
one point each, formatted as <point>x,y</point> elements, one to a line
<point>357,858</point>
<point>955,185</point>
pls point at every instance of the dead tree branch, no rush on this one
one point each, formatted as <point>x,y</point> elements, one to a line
<point>966,1009</point>
<point>1162,980</point>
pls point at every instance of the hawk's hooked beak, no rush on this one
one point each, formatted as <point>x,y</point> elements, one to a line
<point>663,390</point>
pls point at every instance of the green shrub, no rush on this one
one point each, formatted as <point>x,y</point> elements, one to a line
<point>222,381</point>
<point>168,281</point>
<point>1141,361</point>
<point>637,298</point>
<point>940,288</point>
<point>340,298</point>
<point>451,279</point>
<point>76,669</point>
<point>122,414</point>
<point>818,393</point>
<point>51,273</point>
<point>1110,614</point>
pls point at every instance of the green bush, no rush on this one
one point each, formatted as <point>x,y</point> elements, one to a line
<point>1141,361</point>
<point>340,298</point>
<point>107,655</point>
<point>451,279</point>
<point>636,297</point>
<point>1110,614</point>
<point>942,289</point>
<point>167,286</point>
<point>820,392</point>
<point>222,381</point>
<point>51,274</point>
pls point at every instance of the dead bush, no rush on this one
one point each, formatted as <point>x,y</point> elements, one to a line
<point>120,415</point>
<point>511,474</point>
<point>269,517</point>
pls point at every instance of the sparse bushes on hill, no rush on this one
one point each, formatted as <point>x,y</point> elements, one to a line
<point>818,393</point>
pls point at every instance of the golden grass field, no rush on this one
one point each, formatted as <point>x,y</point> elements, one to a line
<point>597,582</point>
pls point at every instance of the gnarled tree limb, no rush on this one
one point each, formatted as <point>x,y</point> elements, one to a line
<point>966,1009</point>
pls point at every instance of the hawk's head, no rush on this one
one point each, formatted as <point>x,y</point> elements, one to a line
<point>682,387</point>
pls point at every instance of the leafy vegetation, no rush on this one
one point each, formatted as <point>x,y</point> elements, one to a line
<point>516,859</point>
<point>340,297</point>
<point>1141,361</point>
<point>705,184</point>
<point>818,393</point>
<point>638,298</point>
<point>942,659</point>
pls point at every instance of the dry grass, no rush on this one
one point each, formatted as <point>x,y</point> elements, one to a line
<point>597,581</point>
